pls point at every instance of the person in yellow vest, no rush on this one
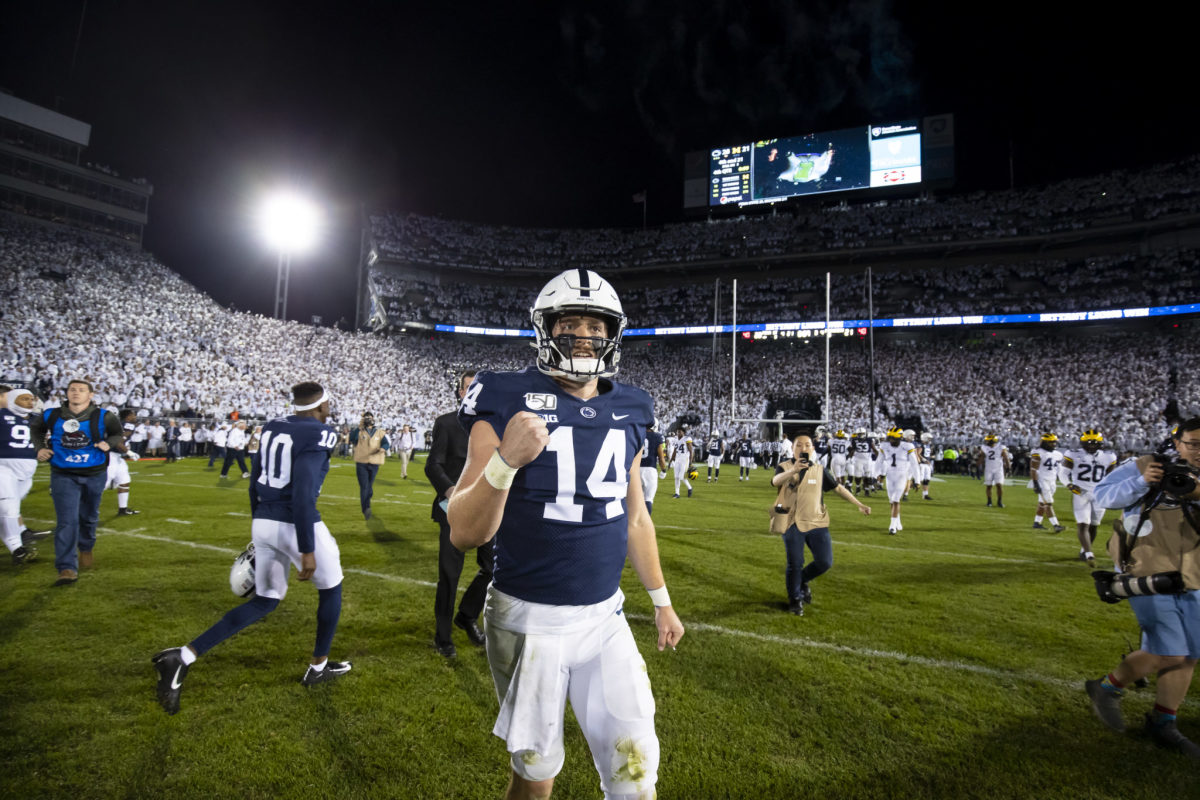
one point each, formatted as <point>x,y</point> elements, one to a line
<point>800,515</point>
<point>370,446</point>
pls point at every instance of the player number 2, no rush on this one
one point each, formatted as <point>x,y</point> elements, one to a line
<point>611,457</point>
<point>276,453</point>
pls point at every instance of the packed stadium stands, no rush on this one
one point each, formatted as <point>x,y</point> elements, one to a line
<point>66,314</point>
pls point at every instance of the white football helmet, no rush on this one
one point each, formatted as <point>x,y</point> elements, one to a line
<point>909,434</point>
<point>241,576</point>
<point>577,291</point>
<point>926,437</point>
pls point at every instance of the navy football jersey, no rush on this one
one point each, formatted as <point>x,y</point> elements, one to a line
<point>715,447</point>
<point>563,537</point>
<point>745,449</point>
<point>287,473</point>
<point>654,440</point>
<point>15,441</point>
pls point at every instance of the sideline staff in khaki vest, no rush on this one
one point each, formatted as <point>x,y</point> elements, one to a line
<point>370,449</point>
<point>800,515</point>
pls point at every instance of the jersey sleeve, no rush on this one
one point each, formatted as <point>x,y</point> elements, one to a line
<point>489,398</point>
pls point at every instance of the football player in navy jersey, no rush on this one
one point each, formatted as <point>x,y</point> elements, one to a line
<point>18,462</point>
<point>654,459</point>
<point>285,480</point>
<point>552,478</point>
<point>745,453</point>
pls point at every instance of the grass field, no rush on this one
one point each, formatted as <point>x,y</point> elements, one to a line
<point>946,662</point>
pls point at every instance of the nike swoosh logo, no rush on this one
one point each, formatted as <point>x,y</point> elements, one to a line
<point>620,416</point>
<point>175,684</point>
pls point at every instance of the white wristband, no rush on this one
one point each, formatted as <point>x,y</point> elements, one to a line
<point>659,596</point>
<point>498,473</point>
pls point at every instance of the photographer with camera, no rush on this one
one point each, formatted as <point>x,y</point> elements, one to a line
<point>800,515</point>
<point>1157,549</point>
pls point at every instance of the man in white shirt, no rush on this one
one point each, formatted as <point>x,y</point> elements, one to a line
<point>235,447</point>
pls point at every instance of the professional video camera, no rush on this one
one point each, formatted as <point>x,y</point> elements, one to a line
<point>1179,478</point>
<point>1113,587</point>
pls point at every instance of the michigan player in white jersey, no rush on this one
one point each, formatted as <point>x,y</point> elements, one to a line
<point>1080,471</point>
<point>18,462</point>
<point>995,461</point>
<point>896,463</point>
<point>287,531</point>
<point>839,446</point>
<point>681,461</point>
<point>118,469</point>
<point>1043,472</point>
<point>551,477</point>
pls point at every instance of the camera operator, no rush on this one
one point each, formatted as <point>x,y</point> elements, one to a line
<point>1160,554</point>
<point>800,515</point>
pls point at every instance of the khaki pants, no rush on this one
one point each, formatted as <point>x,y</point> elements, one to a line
<point>405,455</point>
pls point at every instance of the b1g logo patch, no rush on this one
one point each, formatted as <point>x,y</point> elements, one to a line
<point>535,401</point>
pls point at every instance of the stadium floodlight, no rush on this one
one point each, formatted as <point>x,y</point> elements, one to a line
<point>290,223</point>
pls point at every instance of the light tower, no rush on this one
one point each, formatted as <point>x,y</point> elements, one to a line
<point>289,224</point>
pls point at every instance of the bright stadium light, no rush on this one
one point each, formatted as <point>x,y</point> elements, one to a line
<point>289,224</point>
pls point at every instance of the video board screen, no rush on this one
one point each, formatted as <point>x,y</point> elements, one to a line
<point>771,170</point>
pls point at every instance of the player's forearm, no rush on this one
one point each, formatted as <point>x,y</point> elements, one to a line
<point>474,513</point>
<point>643,554</point>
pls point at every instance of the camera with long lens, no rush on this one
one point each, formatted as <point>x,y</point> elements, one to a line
<point>1113,587</point>
<point>1179,477</point>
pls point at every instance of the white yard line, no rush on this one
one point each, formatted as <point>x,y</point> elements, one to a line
<point>704,627</point>
<point>947,553</point>
<point>330,496</point>
<point>137,534</point>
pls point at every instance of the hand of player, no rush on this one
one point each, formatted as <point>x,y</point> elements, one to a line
<point>103,446</point>
<point>45,454</point>
<point>308,565</point>
<point>1153,472</point>
<point>1073,489</point>
<point>670,629</point>
<point>865,509</point>
<point>525,437</point>
<point>132,456</point>
<point>1032,485</point>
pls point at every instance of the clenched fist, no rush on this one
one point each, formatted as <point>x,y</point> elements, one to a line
<point>525,437</point>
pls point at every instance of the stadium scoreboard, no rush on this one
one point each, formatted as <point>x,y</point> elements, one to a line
<point>897,153</point>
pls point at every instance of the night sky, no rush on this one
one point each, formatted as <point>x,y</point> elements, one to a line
<point>555,114</point>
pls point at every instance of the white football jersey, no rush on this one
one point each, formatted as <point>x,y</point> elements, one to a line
<point>993,455</point>
<point>1086,469</point>
<point>1048,462</point>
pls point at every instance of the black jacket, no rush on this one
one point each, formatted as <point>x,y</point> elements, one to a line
<point>447,455</point>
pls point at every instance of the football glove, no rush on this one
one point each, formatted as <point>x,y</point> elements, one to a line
<point>1073,489</point>
<point>132,456</point>
<point>1031,485</point>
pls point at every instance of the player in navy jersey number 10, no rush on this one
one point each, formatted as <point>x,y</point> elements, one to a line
<point>553,477</point>
<point>18,462</point>
<point>285,480</point>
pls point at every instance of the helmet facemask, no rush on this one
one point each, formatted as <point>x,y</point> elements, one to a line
<point>578,293</point>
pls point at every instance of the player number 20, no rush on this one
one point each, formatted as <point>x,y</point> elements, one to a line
<point>610,458</point>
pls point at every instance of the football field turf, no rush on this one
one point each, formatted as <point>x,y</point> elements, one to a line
<point>945,662</point>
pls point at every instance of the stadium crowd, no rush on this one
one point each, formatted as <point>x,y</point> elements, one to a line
<point>1080,204</point>
<point>1048,285</point>
<point>182,355</point>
